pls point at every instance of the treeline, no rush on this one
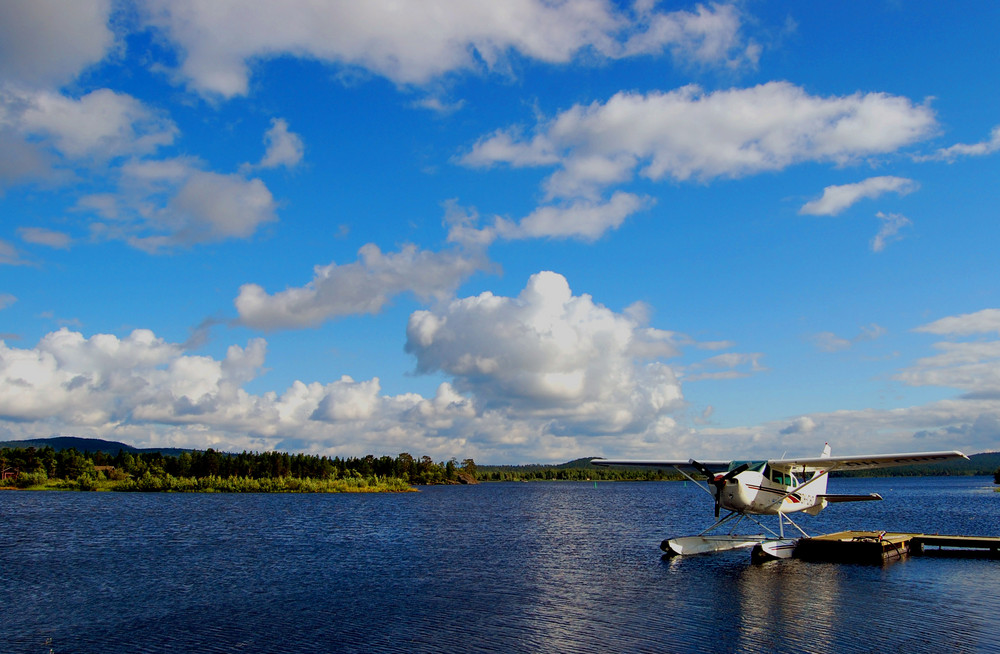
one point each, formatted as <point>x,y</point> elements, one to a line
<point>212,470</point>
<point>574,471</point>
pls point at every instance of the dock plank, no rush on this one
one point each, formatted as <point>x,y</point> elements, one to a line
<point>883,546</point>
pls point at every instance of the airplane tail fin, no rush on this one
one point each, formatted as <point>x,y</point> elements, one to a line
<point>818,487</point>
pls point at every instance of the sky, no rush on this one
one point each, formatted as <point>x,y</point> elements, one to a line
<point>519,232</point>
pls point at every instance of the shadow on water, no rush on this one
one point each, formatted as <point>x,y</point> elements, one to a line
<point>555,567</point>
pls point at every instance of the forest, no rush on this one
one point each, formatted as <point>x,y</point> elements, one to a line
<point>210,470</point>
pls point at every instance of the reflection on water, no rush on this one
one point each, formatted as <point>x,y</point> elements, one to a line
<point>554,567</point>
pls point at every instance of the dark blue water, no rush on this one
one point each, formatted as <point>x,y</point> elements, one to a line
<point>546,567</point>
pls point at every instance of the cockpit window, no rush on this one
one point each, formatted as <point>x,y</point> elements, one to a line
<point>756,466</point>
<point>782,478</point>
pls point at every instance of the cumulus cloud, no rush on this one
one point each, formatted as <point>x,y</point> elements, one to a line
<point>888,232</point>
<point>284,148</point>
<point>547,374</point>
<point>550,354</point>
<point>361,287</point>
<point>690,134</point>
<point>49,42</point>
<point>110,140</point>
<point>163,204</point>
<point>415,42</point>
<point>802,425</point>
<point>152,392</point>
<point>99,125</point>
<point>50,137</point>
<point>836,199</point>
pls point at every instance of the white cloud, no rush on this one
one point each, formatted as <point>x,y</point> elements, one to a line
<point>146,391</point>
<point>583,219</point>
<point>364,286</point>
<point>9,256</point>
<point>415,42</point>
<point>49,42</point>
<point>708,35</point>
<point>802,425</point>
<point>830,342</point>
<point>543,376</point>
<point>838,198</point>
<point>550,355</point>
<point>22,161</point>
<point>968,149</point>
<point>964,424</point>
<point>972,366</point>
<point>168,203</point>
<point>981,322</point>
<point>690,134</point>
<point>47,237</point>
<point>99,125</point>
<point>889,230</point>
<point>730,365</point>
<point>153,204</point>
<point>284,148</point>
<point>53,138</point>
<point>6,299</point>
<point>212,207</point>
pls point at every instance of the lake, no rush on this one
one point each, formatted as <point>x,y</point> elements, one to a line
<point>515,567</point>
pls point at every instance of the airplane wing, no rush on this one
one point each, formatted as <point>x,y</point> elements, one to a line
<point>862,461</point>
<point>714,466</point>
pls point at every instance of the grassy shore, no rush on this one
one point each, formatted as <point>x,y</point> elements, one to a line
<point>212,484</point>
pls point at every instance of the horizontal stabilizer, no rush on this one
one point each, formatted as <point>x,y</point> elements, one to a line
<point>850,498</point>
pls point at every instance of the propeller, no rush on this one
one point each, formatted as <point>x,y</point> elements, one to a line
<point>719,481</point>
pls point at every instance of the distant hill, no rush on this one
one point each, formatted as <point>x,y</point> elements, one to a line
<point>60,443</point>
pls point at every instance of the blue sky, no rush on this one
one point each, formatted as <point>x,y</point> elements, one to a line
<point>520,232</point>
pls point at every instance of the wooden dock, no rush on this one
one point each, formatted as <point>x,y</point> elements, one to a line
<point>881,546</point>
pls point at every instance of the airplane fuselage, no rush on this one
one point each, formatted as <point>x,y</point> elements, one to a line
<point>752,492</point>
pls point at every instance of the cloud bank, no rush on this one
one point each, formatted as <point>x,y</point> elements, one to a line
<point>692,135</point>
<point>418,42</point>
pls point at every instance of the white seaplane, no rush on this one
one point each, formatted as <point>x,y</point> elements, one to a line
<point>774,487</point>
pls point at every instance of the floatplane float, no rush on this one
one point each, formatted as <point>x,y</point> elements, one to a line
<point>774,487</point>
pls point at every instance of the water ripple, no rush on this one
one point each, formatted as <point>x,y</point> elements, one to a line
<point>524,567</point>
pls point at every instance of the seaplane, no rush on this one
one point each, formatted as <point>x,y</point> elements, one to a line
<point>775,487</point>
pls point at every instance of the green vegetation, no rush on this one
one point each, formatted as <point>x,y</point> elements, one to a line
<point>211,471</point>
<point>577,470</point>
<point>57,463</point>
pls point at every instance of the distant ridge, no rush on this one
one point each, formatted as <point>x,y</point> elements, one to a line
<point>59,443</point>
